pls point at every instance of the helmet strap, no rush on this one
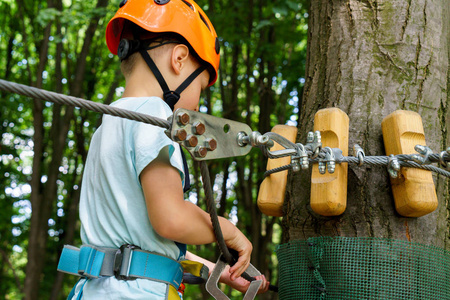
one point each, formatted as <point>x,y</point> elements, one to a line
<point>170,97</point>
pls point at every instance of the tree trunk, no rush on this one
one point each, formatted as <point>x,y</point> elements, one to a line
<point>370,58</point>
<point>43,197</point>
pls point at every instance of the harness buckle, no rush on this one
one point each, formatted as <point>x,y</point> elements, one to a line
<point>122,261</point>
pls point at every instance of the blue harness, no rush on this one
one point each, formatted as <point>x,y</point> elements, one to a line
<point>126,263</point>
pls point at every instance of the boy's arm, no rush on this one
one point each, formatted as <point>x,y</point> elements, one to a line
<point>239,284</point>
<point>182,221</point>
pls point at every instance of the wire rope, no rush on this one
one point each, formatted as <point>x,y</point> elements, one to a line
<point>78,102</point>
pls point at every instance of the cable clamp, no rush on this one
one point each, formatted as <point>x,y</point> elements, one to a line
<point>300,160</point>
<point>442,159</point>
<point>314,143</point>
<point>423,158</point>
<point>327,163</point>
<point>358,152</point>
<point>393,166</point>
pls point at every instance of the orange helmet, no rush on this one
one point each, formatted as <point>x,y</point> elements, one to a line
<point>183,17</point>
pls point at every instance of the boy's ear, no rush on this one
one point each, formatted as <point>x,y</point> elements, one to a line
<point>180,55</point>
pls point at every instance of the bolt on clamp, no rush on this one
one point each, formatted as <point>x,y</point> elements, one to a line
<point>358,152</point>
<point>314,143</point>
<point>442,160</point>
<point>300,160</point>
<point>393,166</point>
<point>328,162</point>
<point>208,137</point>
<point>424,152</point>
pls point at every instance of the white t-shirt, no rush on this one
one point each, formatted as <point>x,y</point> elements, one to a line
<point>112,205</point>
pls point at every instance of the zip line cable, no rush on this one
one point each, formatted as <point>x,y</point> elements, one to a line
<point>311,153</point>
<point>371,161</point>
<point>404,160</point>
<point>78,102</point>
<point>291,148</point>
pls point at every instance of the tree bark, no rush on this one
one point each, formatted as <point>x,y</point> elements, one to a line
<point>370,58</point>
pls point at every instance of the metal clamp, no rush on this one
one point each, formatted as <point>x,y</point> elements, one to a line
<point>424,152</point>
<point>327,163</point>
<point>393,166</point>
<point>314,143</point>
<point>300,160</point>
<point>358,152</point>
<point>442,159</point>
<point>216,292</point>
<point>254,139</point>
<point>207,137</point>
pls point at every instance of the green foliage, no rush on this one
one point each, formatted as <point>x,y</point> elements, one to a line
<point>45,16</point>
<point>263,56</point>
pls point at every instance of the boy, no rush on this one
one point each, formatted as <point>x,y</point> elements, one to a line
<point>132,190</point>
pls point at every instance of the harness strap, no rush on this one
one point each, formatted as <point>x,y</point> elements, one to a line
<point>170,97</point>
<point>127,263</point>
<point>194,272</point>
<point>187,184</point>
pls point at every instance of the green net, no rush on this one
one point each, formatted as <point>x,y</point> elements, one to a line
<point>362,268</point>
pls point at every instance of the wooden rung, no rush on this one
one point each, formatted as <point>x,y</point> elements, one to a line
<point>414,191</point>
<point>273,188</point>
<point>329,191</point>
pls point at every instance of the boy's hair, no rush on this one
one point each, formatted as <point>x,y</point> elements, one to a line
<point>127,65</point>
<point>132,31</point>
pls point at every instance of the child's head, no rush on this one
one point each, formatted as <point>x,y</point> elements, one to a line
<point>179,38</point>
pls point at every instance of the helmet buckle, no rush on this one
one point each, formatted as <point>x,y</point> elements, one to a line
<point>127,47</point>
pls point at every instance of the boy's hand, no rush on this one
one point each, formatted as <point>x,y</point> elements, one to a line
<point>242,245</point>
<point>242,285</point>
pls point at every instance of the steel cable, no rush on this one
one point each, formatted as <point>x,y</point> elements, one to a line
<point>78,102</point>
<point>373,161</point>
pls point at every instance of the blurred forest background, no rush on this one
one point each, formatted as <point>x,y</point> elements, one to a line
<point>58,45</point>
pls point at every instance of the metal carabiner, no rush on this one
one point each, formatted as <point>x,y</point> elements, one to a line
<point>216,292</point>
